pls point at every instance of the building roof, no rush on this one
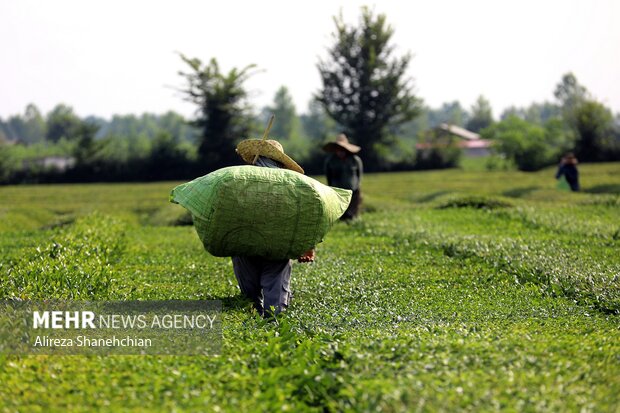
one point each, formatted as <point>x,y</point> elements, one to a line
<point>458,131</point>
<point>468,139</point>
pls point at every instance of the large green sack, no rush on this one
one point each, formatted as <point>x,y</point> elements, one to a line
<point>562,184</point>
<point>265,212</point>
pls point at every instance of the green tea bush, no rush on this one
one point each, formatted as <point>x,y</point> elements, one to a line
<point>75,264</point>
<point>475,201</point>
<point>410,308</point>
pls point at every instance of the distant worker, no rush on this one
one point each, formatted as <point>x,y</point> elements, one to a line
<point>568,169</point>
<point>344,169</point>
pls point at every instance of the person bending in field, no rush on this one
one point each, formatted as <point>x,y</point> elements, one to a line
<point>344,169</point>
<point>568,169</point>
<point>264,281</point>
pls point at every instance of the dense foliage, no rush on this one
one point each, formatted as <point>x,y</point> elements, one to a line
<point>365,89</point>
<point>598,139</point>
<point>222,110</point>
<point>437,151</point>
<point>62,147</point>
<point>481,115</point>
<point>530,146</point>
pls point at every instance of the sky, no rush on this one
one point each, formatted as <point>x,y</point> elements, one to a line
<point>120,57</point>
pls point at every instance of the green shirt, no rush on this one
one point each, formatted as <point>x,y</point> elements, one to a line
<point>344,173</point>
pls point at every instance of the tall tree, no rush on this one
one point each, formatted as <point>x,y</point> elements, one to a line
<point>538,113</point>
<point>62,122</point>
<point>530,146</point>
<point>286,122</point>
<point>512,111</point>
<point>34,125</point>
<point>15,126</point>
<point>176,125</point>
<point>570,93</point>
<point>481,115</point>
<point>591,121</point>
<point>542,112</point>
<point>7,161</point>
<point>27,129</point>
<point>287,127</point>
<point>86,150</point>
<point>5,136</point>
<point>317,125</point>
<point>223,111</point>
<point>452,113</point>
<point>366,89</point>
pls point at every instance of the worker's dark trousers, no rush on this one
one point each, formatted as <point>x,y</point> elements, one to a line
<point>353,209</point>
<point>266,282</point>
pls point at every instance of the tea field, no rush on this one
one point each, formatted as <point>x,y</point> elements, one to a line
<point>455,291</point>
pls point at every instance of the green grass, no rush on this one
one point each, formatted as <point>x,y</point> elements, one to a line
<point>457,290</point>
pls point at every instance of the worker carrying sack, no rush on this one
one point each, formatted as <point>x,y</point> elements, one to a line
<point>263,212</point>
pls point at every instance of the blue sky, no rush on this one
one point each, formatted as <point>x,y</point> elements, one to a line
<point>107,57</point>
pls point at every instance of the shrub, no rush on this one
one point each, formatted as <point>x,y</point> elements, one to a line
<point>437,151</point>
<point>530,146</point>
<point>75,264</point>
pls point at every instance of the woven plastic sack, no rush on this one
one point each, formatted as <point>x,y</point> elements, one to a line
<point>266,212</point>
<point>562,184</point>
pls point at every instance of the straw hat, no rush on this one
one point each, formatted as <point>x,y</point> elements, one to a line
<point>249,148</point>
<point>341,143</point>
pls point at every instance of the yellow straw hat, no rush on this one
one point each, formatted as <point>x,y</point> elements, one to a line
<point>249,148</point>
<point>341,143</point>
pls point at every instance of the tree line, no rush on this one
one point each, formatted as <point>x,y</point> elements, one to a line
<point>365,93</point>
